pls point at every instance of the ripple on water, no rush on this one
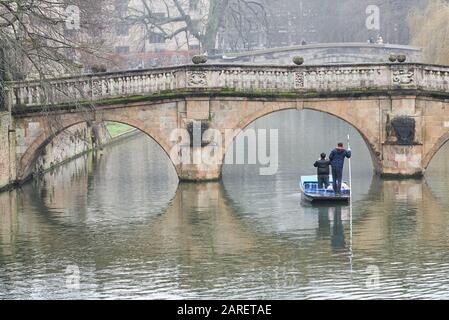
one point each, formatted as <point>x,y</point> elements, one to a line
<point>135,234</point>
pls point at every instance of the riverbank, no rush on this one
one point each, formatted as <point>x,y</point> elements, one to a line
<point>116,129</point>
<point>114,133</point>
<point>75,143</point>
<point>121,133</point>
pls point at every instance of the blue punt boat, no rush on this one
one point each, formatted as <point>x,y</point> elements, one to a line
<point>311,192</point>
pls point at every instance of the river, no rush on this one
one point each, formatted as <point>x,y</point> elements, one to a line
<point>120,220</point>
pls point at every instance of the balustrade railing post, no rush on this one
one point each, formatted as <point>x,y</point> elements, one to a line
<point>419,76</point>
<point>319,78</point>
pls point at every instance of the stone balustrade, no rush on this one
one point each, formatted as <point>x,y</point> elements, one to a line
<point>246,78</point>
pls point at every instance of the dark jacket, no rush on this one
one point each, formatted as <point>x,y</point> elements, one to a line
<point>323,167</point>
<point>337,157</point>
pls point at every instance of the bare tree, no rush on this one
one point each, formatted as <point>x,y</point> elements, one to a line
<point>43,37</point>
<point>430,30</point>
<point>195,19</point>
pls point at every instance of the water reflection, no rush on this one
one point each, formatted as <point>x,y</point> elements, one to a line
<point>133,232</point>
<point>330,224</point>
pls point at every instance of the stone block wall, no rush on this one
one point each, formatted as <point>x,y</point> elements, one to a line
<point>402,160</point>
<point>7,167</point>
<point>71,143</point>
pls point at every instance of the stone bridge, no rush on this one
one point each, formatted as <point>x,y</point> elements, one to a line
<point>323,53</point>
<point>401,110</point>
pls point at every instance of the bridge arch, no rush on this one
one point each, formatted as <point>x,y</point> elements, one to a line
<point>434,150</point>
<point>32,153</point>
<point>355,119</point>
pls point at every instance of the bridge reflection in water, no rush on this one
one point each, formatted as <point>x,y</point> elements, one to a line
<point>133,232</point>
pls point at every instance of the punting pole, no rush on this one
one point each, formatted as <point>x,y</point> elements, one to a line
<point>350,210</point>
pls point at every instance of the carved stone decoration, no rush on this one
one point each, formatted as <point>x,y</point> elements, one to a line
<point>404,130</point>
<point>196,78</point>
<point>403,76</point>
<point>299,80</point>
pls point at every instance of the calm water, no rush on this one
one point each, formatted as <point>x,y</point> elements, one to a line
<point>121,219</point>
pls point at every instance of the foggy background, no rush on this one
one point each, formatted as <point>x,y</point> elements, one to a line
<point>58,37</point>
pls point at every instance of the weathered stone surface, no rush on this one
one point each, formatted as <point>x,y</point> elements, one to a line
<point>402,160</point>
<point>159,102</point>
<point>72,142</point>
<point>137,85</point>
<point>8,166</point>
<point>404,106</point>
<point>161,119</point>
<point>198,109</point>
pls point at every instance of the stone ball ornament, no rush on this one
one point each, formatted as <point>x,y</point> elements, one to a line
<point>402,58</point>
<point>298,60</point>
<point>393,57</point>
<point>199,59</point>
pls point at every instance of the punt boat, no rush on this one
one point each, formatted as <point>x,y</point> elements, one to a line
<point>311,192</point>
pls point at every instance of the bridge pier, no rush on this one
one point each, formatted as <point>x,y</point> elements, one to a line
<point>404,137</point>
<point>399,162</point>
<point>199,173</point>
<point>198,166</point>
<point>402,161</point>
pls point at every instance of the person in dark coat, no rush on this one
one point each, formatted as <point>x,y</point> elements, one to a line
<point>323,171</point>
<point>337,161</point>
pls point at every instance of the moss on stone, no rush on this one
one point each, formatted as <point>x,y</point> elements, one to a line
<point>401,176</point>
<point>231,92</point>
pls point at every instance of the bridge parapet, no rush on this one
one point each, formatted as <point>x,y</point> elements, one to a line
<point>228,78</point>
